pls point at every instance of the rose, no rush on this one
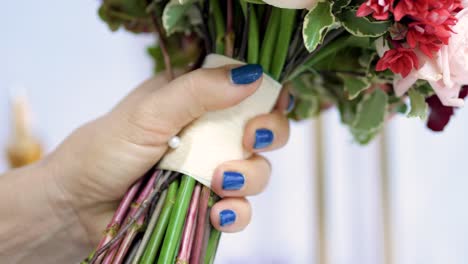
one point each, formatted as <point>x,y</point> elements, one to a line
<point>292,4</point>
<point>447,72</point>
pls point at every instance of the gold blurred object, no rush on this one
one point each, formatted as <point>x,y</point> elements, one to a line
<point>23,148</point>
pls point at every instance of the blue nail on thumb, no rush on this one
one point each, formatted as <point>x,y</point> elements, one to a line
<point>246,74</point>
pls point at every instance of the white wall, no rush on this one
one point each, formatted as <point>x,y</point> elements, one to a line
<point>75,69</point>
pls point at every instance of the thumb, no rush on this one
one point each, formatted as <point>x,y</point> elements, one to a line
<point>168,109</point>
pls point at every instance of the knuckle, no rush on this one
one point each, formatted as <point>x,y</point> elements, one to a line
<point>193,92</point>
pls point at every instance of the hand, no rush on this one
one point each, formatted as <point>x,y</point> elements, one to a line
<point>96,164</point>
<point>91,170</point>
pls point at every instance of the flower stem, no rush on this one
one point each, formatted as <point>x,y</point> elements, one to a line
<point>133,251</point>
<point>212,246</point>
<point>286,28</point>
<point>332,43</point>
<point>253,42</point>
<point>196,255</point>
<point>220,27</point>
<point>230,37</point>
<point>154,211</point>
<point>117,256</point>
<point>152,223</point>
<point>128,240</point>
<point>176,223</point>
<point>163,45</point>
<point>160,229</point>
<point>142,208</point>
<point>189,228</point>
<point>120,214</point>
<point>269,41</point>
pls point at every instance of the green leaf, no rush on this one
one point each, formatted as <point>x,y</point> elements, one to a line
<point>317,21</point>
<point>307,108</point>
<point>338,5</point>
<point>418,104</point>
<point>370,116</point>
<point>354,85</point>
<point>173,13</point>
<point>362,26</point>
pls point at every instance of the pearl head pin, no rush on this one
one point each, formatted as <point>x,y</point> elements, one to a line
<point>174,142</point>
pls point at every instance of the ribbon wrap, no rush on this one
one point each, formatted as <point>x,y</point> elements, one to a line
<point>216,137</point>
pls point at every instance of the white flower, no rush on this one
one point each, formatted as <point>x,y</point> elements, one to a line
<point>448,71</point>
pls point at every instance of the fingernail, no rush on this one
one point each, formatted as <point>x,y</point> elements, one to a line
<point>291,104</point>
<point>246,74</point>
<point>263,138</point>
<point>227,217</point>
<point>233,181</point>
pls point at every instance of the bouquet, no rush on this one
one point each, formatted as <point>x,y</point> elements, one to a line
<point>371,59</point>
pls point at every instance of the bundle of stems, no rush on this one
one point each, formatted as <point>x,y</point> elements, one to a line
<point>164,217</point>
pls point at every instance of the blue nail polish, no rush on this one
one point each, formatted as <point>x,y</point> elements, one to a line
<point>292,103</point>
<point>246,74</point>
<point>227,217</point>
<point>263,138</point>
<point>233,181</point>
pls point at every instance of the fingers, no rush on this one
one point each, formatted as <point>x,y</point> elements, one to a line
<point>241,178</point>
<point>188,97</point>
<point>231,214</point>
<point>266,132</point>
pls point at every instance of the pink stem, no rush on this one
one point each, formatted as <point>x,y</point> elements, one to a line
<point>196,254</point>
<point>120,214</point>
<point>141,198</point>
<point>127,241</point>
<point>189,228</point>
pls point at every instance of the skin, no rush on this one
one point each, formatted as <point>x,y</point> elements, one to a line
<point>59,207</point>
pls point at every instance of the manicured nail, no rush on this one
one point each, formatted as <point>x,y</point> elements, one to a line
<point>292,103</point>
<point>263,138</point>
<point>246,74</point>
<point>233,181</point>
<point>227,217</point>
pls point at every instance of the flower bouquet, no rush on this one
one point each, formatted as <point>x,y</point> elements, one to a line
<point>371,59</point>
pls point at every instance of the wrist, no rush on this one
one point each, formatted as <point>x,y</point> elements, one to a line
<point>38,218</point>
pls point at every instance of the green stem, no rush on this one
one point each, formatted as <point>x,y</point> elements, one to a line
<point>212,247</point>
<point>269,40</point>
<point>253,42</point>
<point>156,238</point>
<point>321,53</point>
<point>220,27</point>
<point>286,28</point>
<point>176,224</point>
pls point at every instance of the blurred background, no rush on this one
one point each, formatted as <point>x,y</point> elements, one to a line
<point>401,200</point>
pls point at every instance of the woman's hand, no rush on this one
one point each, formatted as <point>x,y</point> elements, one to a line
<point>90,172</point>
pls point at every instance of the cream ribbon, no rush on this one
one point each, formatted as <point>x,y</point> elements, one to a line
<point>217,136</point>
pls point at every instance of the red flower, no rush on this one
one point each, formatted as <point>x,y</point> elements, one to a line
<point>410,8</point>
<point>425,40</point>
<point>430,11</point>
<point>399,60</point>
<point>380,9</point>
<point>440,114</point>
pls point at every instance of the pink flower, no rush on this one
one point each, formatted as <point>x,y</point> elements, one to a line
<point>447,72</point>
<point>399,60</point>
<point>380,9</point>
<point>292,4</point>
